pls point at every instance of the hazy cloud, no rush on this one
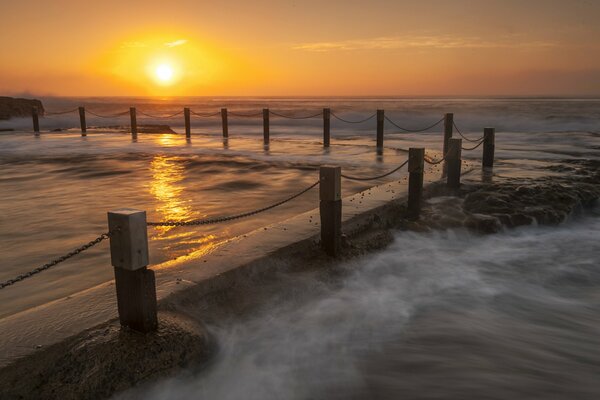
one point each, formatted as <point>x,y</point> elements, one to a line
<point>433,42</point>
<point>179,42</point>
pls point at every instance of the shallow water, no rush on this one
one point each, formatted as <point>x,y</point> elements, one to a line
<point>56,188</point>
<point>445,315</point>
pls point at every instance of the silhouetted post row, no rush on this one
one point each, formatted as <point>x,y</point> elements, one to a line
<point>188,126</point>
<point>448,125</point>
<point>36,120</point>
<point>380,123</point>
<point>225,124</point>
<point>135,283</point>
<point>266,126</point>
<point>416,167</point>
<point>489,138</point>
<point>330,207</point>
<point>326,127</point>
<point>82,121</point>
<point>453,162</point>
<point>133,116</point>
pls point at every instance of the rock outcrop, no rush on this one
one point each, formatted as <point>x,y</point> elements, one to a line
<point>11,107</point>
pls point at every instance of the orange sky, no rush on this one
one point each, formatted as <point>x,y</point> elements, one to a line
<point>238,47</point>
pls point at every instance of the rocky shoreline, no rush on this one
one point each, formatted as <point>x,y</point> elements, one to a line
<point>11,107</point>
<point>106,359</point>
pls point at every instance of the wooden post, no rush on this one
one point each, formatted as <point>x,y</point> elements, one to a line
<point>133,116</point>
<point>82,121</point>
<point>448,125</point>
<point>380,121</point>
<point>453,161</point>
<point>266,126</point>
<point>188,128</point>
<point>489,139</point>
<point>135,283</point>
<point>416,166</point>
<point>326,127</point>
<point>225,125</point>
<point>36,120</point>
<point>330,205</point>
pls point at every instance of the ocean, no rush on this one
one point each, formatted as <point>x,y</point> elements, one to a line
<point>524,325</point>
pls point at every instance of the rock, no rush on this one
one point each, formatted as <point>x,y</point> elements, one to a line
<point>11,107</point>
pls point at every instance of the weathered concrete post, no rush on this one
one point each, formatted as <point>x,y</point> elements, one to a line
<point>136,285</point>
<point>330,206</point>
<point>188,127</point>
<point>225,125</point>
<point>416,166</point>
<point>82,121</point>
<point>448,125</point>
<point>380,122</point>
<point>36,120</point>
<point>133,116</point>
<point>453,161</point>
<point>266,126</point>
<point>326,127</point>
<point>489,138</point>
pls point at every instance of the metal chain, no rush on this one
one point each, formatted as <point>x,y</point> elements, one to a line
<point>205,115</point>
<point>57,261</point>
<point>352,122</point>
<point>463,136</point>
<point>107,116</point>
<point>50,114</point>
<point>472,148</point>
<point>355,178</point>
<point>217,220</point>
<point>292,117</point>
<point>413,130</point>
<point>159,116</point>
<point>245,115</point>
<point>431,162</point>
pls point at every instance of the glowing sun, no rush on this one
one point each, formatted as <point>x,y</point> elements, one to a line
<point>164,73</point>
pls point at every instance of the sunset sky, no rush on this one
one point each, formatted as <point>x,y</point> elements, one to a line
<point>311,48</point>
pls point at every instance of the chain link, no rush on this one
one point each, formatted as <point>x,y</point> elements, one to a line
<point>211,221</point>
<point>58,260</point>
<point>352,122</point>
<point>463,136</point>
<point>293,117</point>
<point>50,114</point>
<point>244,115</point>
<point>356,178</point>
<point>159,116</point>
<point>107,116</point>
<point>472,148</point>
<point>413,130</point>
<point>205,115</point>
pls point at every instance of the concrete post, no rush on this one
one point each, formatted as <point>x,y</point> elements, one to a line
<point>416,166</point>
<point>36,120</point>
<point>453,161</point>
<point>380,122</point>
<point>326,127</point>
<point>136,285</point>
<point>225,124</point>
<point>188,127</point>
<point>266,126</point>
<point>448,127</point>
<point>82,121</point>
<point>330,206</point>
<point>133,116</point>
<point>489,139</point>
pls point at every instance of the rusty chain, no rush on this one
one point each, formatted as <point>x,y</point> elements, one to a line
<point>57,260</point>
<point>352,122</point>
<point>413,130</point>
<point>211,221</point>
<point>463,136</point>
<point>356,178</point>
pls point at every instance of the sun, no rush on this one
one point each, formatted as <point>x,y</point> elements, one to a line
<point>164,73</point>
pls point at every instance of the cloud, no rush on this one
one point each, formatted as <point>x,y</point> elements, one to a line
<point>179,42</point>
<point>431,42</point>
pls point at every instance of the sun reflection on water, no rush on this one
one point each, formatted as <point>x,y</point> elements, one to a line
<point>181,243</point>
